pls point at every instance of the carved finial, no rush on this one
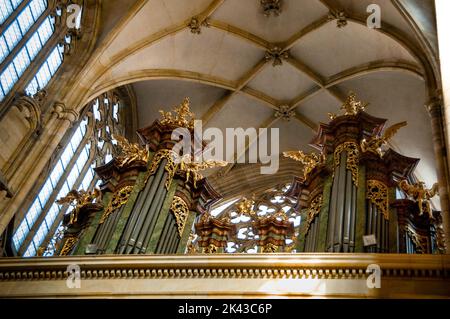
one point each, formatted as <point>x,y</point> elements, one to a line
<point>181,117</point>
<point>271,6</point>
<point>340,16</point>
<point>284,112</point>
<point>351,106</point>
<point>276,55</point>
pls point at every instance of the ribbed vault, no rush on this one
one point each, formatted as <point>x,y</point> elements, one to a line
<point>222,60</point>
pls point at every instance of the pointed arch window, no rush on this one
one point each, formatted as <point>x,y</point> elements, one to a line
<point>32,44</point>
<point>90,144</point>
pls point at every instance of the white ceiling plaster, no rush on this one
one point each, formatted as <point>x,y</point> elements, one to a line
<point>330,50</point>
<point>389,14</point>
<point>241,111</point>
<point>318,107</point>
<point>282,82</point>
<point>156,95</point>
<point>154,16</point>
<point>327,50</point>
<point>213,52</point>
<point>295,15</point>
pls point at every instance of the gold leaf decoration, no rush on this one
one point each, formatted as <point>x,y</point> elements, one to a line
<point>119,198</point>
<point>181,212</point>
<point>377,193</point>
<point>352,158</point>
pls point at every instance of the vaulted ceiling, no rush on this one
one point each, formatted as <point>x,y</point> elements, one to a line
<point>226,64</point>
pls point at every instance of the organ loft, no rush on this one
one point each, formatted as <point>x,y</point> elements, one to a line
<point>102,169</point>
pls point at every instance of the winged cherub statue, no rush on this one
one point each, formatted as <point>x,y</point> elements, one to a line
<point>181,116</point>
<point>193,168</point>
<point>130,152</point>
<point>351,106</point>
<point>309,161</point>
<point>421,195</point>
<point>374,144</point>
<point>78,199</point>
<point>244,207</point>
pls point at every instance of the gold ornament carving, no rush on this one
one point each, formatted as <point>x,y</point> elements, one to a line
<point>419,193</point>
<point>193,168</point>
<point>181,116</point>
<point>68,245</point>
<point>244,207</point>
<point>314,210</point>
<point>418,240</point>
<point>352,158</point>
<point>309,161</point>
<point>78,199</point>
<point>211,249</point>
<point>130,152</point>
<point>377,193</point>
<point>119,199</point>
<point>440,238</point>
<point>171,165</point>
<point>270,248</point>
<point>374,144</point>
<point>181,212</point>
<point>351,106</point>
<point>191,246</point>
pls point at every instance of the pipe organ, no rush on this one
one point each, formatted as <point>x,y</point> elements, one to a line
<point>153,201</point>
<point>349,190</point>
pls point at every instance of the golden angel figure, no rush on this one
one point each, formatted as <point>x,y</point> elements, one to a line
<point>130,152</point>
<point>78,199</point>
<point>374,144</point>
<point>309,161</point>
<point>244,207</point>
<point>193,168</point>
<point>421,195</point>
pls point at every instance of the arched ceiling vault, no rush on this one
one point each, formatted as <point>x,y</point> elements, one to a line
<point>229,54</point>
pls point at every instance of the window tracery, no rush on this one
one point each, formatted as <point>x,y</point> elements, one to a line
<point>91,144</point>
<point>269,203</point>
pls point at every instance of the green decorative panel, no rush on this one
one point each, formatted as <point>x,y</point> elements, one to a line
<point>88,235</point>
<point>151,247</point>
<point>186,232</point>
<point>360,210</point>
<point>140,183</point>
<point>323,215</point>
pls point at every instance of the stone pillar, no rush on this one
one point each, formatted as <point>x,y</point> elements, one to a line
<point>435,111</point>
<point>443,25</point>
<point>23,180</point>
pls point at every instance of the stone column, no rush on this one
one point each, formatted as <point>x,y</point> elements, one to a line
<point>435,111</point>
<point>22,182</point>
